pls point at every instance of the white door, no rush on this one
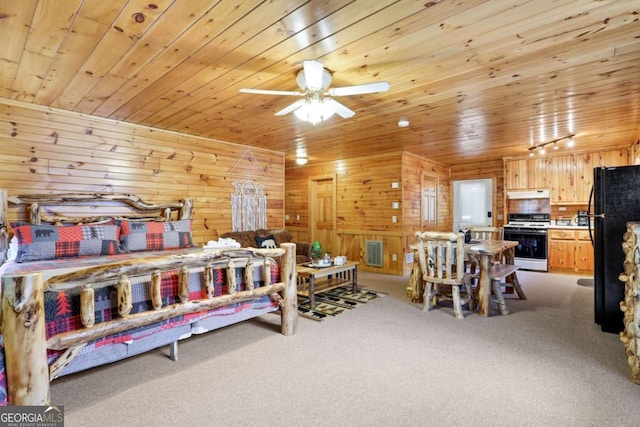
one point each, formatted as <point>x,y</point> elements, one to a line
<point>429,206</point>
<point>472,203</point>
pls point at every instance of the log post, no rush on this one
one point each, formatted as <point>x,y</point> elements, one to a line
<point>87,306</point>
<point>231,278</point>
<point>25,345</point>
<point>34,213</point>
<point>156,290</point>
<point>267,272</point>
<point>183,284</point>
<point>248,275</point>
<point>208,280</point>
<point>124,296</point>
<point>186,209</point>
<point>630,305</point>
<point>289,275</point>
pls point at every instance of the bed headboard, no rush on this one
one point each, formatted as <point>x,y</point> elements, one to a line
<point>83,208</point>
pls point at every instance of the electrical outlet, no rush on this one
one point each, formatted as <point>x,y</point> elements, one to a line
<point>286,217</point>
<point>297,217</point>
<point>394,257</point>
<point>394,219</point>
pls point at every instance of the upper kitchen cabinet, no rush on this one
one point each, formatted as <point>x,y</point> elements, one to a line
<point>516,174</point>
<point>563,179</point>
<point>569,177</point>
<point>524,174</point>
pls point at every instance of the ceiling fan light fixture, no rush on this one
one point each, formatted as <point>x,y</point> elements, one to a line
<point>314,111</point>
<point>314,80</point>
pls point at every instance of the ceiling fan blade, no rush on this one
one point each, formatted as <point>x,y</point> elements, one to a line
<point>290,108</point>
<point>272,92</point>
<point>340,109</point>
<point>359,89</point>
<point>313,74</point>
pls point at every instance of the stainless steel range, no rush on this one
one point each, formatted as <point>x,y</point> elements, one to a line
<point>530,230</point>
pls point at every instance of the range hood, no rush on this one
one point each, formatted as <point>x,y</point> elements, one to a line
<point>528,194</point>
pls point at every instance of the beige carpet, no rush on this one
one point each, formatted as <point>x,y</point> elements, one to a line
<point>385,364</point>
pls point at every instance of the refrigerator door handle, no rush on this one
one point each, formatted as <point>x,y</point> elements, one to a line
<point>595,215</point>
<point>592,215</point>
<point>593,243</point>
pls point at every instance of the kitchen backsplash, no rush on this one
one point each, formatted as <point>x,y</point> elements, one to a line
<point>566,212</point>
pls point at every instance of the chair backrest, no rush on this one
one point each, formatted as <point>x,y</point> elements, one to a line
<point>438,253</point>
<point>486,233</point>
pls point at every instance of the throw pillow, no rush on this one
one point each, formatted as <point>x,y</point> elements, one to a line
<point>155,235</point>
<point>44,242</point>
<point>268,242</point>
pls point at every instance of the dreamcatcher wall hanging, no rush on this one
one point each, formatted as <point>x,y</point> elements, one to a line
<point>248,202</point>
<point>248,206</point>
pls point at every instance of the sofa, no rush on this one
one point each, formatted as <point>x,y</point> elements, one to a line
<point>267,238</point>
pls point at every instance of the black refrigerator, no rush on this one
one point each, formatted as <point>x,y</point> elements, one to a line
<point>616,200</point>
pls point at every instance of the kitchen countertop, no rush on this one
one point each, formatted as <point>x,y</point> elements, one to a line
<point>568,227</point>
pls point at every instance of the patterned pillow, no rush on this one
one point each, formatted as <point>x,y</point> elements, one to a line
<point>155,235</point>
<point>268,242</point>
<point>43,242</point>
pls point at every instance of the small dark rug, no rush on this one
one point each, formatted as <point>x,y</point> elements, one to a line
<point>586,282</point>
<point>334,302</point>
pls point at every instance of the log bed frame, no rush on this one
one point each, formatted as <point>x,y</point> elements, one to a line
<point>22,322</point>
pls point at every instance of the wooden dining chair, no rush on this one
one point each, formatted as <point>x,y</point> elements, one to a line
<point>486,233</point>
<point>483,233</point>
<point>441,257</point>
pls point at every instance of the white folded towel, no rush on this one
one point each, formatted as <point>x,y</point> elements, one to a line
<point>222,243</point>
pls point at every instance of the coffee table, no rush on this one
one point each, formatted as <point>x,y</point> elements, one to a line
<point>335,275</point>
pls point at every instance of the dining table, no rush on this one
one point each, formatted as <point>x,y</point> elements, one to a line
<point>484,253</point>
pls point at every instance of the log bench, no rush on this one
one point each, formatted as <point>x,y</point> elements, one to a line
<point>498,273</point>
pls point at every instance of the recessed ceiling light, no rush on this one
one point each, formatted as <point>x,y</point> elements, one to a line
<point>403,122</point>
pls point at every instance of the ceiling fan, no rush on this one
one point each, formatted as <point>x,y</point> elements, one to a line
<point>314,80</point>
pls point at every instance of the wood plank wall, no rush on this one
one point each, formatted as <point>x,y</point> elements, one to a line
<point>43,150</point>
<point>364,205</point>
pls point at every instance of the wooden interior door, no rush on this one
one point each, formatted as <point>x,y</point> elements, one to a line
<point>429,204</point>
<point>323,213</point>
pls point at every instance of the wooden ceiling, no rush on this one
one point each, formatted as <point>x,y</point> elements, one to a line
<point>479,80</point>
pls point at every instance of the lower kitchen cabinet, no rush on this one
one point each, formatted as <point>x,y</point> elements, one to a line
<point>570,250</point>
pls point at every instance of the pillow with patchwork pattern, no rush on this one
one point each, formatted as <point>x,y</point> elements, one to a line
<point>155,235</point>
<point>44,242</point>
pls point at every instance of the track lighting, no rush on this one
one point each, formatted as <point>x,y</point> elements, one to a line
<point>540,147</point>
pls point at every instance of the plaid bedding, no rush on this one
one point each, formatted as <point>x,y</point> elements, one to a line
<point>62,310</point>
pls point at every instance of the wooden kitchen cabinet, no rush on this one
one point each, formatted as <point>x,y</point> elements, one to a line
<point>584,251</point>
<point>516,174</point>
<point>562,179</point>
<point>570,250</point>
<point>524,174</point>
<point>568,176</point>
